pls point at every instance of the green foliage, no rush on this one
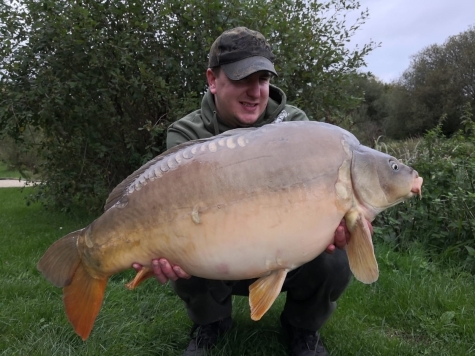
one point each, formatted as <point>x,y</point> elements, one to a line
<point>438,83</point>
<point>367,119</point>
<point>101,81</point>
<point>435,88</point>
<point>6,171</point>
<point>443,221</point>
<point>20,157</point>
<point>314,66</point>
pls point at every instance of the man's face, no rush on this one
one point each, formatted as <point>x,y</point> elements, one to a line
<point>239,102</point>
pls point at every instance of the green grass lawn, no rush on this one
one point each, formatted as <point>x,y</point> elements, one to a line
<point>415,308</point>
<point>6,172</point>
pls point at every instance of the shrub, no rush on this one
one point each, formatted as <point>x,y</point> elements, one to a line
<point>19,157</point>
<point>444,219</point>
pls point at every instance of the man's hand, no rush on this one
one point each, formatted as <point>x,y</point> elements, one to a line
<point>164,270</point>
<point>342,237</point>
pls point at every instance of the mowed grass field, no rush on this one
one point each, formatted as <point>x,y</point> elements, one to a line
<point>417,307</point>
<point>7,172</point>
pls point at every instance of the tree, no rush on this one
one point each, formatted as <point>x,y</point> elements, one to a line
<point>439,83</point>
<point>99,82</point>
<point>367,119</point>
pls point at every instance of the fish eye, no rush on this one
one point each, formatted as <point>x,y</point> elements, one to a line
<point>394,166</point>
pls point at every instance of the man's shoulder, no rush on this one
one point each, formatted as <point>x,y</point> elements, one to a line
<point>189,127</point>
<point>193,117</point>
<point>291,113</point>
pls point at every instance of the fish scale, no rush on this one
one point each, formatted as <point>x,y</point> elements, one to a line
<point>173,161</point>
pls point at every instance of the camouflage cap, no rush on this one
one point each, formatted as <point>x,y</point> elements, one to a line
<point>241,52</point>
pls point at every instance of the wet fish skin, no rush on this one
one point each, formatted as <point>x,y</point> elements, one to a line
<point>249,203</point>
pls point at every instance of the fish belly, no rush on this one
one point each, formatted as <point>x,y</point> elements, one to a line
<point>253,238</point>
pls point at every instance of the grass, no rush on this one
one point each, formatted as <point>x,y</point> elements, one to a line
<point>7,172</point>
<point>415,308</point>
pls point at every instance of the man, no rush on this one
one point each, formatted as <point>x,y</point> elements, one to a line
<point>240,95</point>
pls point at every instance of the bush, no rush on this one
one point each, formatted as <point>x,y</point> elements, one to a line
<point>443,221</point>
<point>19,157</point>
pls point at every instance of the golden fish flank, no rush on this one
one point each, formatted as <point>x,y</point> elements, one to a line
<point>274,199</point>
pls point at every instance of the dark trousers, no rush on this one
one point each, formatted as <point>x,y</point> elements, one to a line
<point>312,291</point>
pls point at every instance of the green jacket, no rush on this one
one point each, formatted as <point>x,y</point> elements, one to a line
<point>205,122</point>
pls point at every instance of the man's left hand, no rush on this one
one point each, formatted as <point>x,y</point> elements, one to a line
<point>342,237</point>
<point>164,270</point>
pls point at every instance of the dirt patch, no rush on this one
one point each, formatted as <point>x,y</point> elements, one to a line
<point>12,183</point>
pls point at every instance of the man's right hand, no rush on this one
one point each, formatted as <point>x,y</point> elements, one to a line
<point>164,270</point>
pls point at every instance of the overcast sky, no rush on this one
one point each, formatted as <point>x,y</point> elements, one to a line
<point>405,27</point>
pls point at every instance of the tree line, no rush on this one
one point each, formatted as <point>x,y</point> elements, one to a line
<point>437,88</point>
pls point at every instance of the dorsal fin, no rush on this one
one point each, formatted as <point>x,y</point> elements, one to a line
<point>120,190</point>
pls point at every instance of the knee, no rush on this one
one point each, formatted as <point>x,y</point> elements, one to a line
<point>338,272</point>
<point>330,272</point>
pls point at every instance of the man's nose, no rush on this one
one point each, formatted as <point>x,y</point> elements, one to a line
<point>254,89</point>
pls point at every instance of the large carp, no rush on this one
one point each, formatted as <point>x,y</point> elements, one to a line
<point>245,204</point>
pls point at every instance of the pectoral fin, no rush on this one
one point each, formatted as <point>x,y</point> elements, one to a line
<point>141,276</point>
<point>360,249</point>
<point>264,291</point>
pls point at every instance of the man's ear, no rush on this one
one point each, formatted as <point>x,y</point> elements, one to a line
<point>211,80</point>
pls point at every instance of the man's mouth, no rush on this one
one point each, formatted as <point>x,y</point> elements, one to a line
<point>249,105</point>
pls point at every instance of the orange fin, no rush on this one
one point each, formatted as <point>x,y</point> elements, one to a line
<point>141,276</point>
<point>264,291</point>
<point>60,261</point>
<point>360,249</point>
<point>82,300</point>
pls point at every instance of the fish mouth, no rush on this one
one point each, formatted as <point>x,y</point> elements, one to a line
<point>417,187</point>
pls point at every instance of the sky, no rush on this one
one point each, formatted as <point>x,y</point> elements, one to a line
<point>406,27</point>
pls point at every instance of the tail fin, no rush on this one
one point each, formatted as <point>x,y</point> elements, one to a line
<point>82,300</point>
<point>61,260</point>
<point>82,294</point>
